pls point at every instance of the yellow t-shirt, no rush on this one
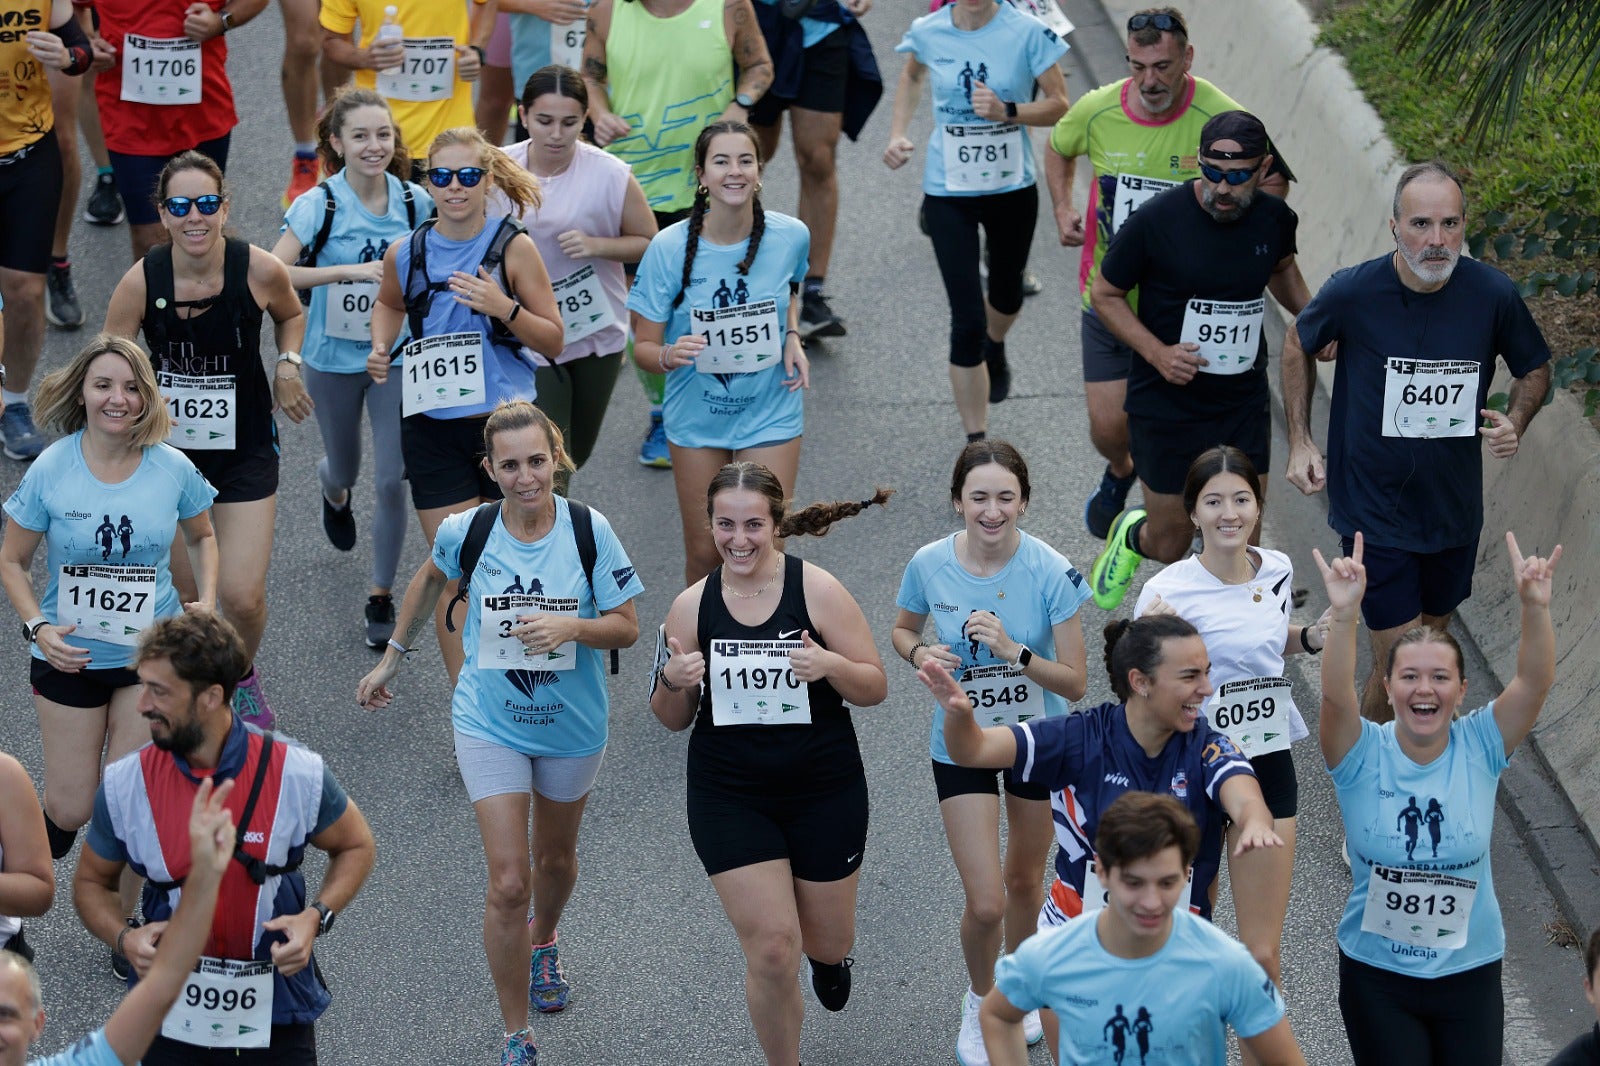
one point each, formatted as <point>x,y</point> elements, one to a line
<point>25,113</point>
<point>419,121</point>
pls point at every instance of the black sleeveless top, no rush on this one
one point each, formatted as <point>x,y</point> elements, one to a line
<point>771,759</point>
<point>223,337</point>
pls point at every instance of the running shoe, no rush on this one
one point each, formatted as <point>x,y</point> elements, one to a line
<point>105,206</point>
<point>380,621</point>
<point>994,355</point>
<point>969,1045</point>
<point>250,703</point>
<point>654,451</point>
<point>23,441</point>
<point>1032,1028</point>
<point>61,305</point>
<point>121,968</point>
<point>302,178</point>
<point>1107,502</point>
<point>339,523</point>
<point>520,1050</point>
<point>829,983</point>
<point>547,985</point>
<point>1113,570</point>
<point>1031,285</point>
<point>817,318</point>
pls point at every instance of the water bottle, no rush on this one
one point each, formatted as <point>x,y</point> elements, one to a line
<point>390,30</point>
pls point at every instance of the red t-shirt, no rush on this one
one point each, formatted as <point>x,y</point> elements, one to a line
<point>161,129</point>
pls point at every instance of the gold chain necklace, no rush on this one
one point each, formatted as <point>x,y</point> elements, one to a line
<point>752,595</point>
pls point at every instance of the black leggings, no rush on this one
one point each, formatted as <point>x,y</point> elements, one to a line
<point>1457,1020</point>
<point>1007,219</point>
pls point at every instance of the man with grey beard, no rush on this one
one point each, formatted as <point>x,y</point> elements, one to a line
<point>1418,332</point>
<point>1202,255</point>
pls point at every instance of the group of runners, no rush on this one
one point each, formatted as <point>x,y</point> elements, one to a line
<point>476,300</point>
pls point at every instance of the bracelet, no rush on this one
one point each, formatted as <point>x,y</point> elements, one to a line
<point>405,652</point>
<point>126,928</point>
<point>795,332</point>
<point>670,687</point>
<point>661,360</point>
<point>1306,644</point>
<point>911,657</point>
<point>516,309</point>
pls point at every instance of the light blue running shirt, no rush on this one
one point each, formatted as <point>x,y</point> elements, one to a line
<point>92,1050</point>
<point>1036,590</point>
<point>726,411</point>
<point>1008,53</point>
<point>530,46</point>
<point>1169,1009</point>
<point>536,712</point>
<point>357,236</point>
<point>88,522</point>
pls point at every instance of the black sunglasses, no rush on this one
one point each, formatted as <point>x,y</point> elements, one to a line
<point>1162,21</point>
<point>178,206</point>
<point>1232,177</point>
<point>469,176</point>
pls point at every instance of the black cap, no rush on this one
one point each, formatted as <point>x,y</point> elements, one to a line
<point>1239,126</point>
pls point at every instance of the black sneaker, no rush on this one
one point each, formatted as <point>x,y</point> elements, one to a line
<point>830,983</point>
<point>61,299</point>
<point>380,621</point>
<point>817,318</point>
<point>120,966</point>
<point>105,206</point>
<point>339,523</point>
<point>1107,502</point>
<point>999,371</point>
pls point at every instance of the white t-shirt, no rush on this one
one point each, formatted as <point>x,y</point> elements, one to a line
<point>1244,626</point>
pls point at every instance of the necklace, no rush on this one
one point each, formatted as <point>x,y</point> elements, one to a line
<point>752,595</point>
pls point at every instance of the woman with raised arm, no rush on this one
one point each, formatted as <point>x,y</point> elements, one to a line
<point>1421,939</point>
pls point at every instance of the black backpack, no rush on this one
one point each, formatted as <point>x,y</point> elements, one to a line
<point>478,536</point>
<point>309,253</point>
<point>419,290</point>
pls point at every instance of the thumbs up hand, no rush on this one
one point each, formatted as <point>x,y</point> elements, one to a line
<point>811,661</point>
<point>685,668</point>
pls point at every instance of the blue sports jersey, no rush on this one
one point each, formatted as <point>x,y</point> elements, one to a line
<point>1089,759</point>
<point>812,30</point>
<point>88,522</point>
<point>92,1050</point>
<point>1436,817</point>
<point>536,712</point>
<point>530,45</point>
<point>1172,1008</point>
<point>1045,590</point>
<point>728,411</point>
<point>1008,53</point>
<point>357,236</point>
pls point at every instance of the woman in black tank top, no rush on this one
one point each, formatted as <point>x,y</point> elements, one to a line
<point>200,301</point>
<point>761,658</point>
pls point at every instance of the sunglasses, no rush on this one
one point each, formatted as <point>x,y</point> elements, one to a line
<point>1232,177</point>
<point>1161,21</point>
<point>440,177</point>
<point>178,206</point>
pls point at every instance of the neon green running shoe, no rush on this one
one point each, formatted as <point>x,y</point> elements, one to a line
<point>1113,570</point>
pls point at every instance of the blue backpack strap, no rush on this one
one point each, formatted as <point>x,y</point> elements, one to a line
<point>588,553</point>
<point>471,549</point>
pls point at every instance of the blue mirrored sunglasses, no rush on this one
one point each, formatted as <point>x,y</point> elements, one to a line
<point>468,176</point>
<point>1232,177</point>
<point>178,206</point>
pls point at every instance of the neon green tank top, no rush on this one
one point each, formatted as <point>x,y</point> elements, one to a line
<point>668,77</point>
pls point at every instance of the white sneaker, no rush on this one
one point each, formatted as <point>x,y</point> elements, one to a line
<point>1032,1027</point>
<point>969,1045</point>
<point>1344,852</point>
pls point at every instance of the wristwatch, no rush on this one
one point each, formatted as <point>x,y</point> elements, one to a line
<point>292,358</point>
<point>227,20</point>
<point>1011,109</point>
<point>1024,657</point>
<point>328,915</point>
<point>744,100</point>
<point>30,628</point>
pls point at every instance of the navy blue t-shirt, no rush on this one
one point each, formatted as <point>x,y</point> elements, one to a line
<point>1173,252</point>
<point>1405,461</point>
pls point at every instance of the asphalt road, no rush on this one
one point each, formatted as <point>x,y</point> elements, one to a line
<point>656,971</point>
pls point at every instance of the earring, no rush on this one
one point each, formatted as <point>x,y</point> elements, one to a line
<point>758,188</point>
<point>701,190</point>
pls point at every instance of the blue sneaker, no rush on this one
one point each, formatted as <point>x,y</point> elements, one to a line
<point>250,703</point>
<point>1113,570</point>
<point>1107,502</point>
<point>23,441</point>
<point>654,451</point>
<point>520,1050</point>
<point>547,985</point>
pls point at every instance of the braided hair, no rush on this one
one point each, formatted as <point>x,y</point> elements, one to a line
<point>813,521</point>
<point>702,203</point>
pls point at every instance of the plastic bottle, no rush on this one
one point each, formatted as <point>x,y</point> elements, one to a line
<point>390,30</point>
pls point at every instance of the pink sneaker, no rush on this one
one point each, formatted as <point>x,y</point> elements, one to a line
<point>250,703</point>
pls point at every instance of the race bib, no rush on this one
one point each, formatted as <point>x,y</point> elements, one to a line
<point>584,308</point>
<point>427,73</point>
<point>1000,695</point>
<point>160,70</point>
<point>1047,12</point>
<point>982,157</point>
<point>1228,333</point>
<point>742,339</point>
<point>444,371</point>
<point>499,650</point>
<point>1418,907</point>
<point>1254,713</point>
<point>753,684</point>
<point>1430,398</point>
<point>225,1003</point>
<point>349,310</point>
<point>1133,192</point>
<point>202,410</point>
<point>566,44</point>
<point>109,603</point>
